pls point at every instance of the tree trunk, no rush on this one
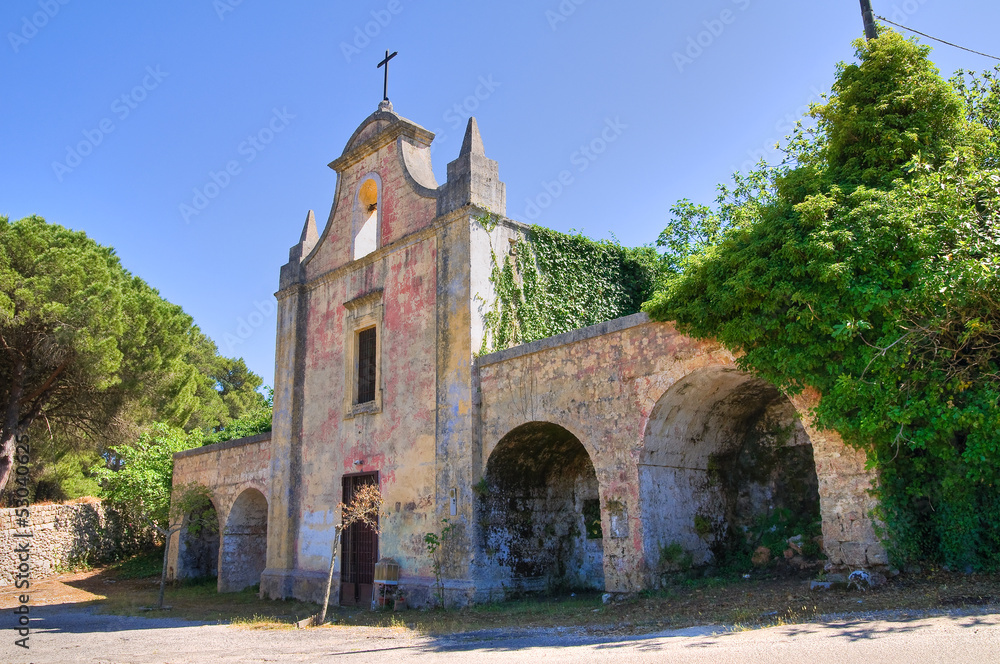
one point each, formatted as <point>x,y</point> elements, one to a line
<point>329,578</point>
<point>7,440</point>
<point>9,426</point>
<point>163,572</point>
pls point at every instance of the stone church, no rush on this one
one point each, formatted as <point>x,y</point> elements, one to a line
<point>586,460</point>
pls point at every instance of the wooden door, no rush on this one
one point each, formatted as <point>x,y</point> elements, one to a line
<point>358,550</point>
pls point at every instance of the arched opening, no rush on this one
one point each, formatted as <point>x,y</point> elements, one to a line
<point>540,511</point>
<point>244,542</point>
<point>366,230</point>
<point>198,545</point>
<point>726,468</point>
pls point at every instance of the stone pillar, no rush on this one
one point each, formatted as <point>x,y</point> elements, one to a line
<point>286,453</point>
<point>845,498</point>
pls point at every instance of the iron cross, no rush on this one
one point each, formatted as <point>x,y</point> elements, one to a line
<point>385,82</point>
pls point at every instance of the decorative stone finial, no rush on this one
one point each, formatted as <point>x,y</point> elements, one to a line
<point>473,142</point>
<point>473,178</point>
<point>385,105</point>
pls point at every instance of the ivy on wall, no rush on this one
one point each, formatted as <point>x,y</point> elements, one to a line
<point>553,282</point>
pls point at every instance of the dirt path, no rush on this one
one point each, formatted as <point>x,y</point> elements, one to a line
<point>72,588</point>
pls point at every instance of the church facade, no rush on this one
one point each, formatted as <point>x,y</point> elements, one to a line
<point>578,461</point>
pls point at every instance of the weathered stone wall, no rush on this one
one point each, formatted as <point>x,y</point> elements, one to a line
<point>603,383</point>
<point>64,534</point>
<point>647,406</point>
<point>846,501</point>
<point>228,469</point>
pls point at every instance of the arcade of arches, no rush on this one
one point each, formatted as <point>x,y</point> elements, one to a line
<point>235,553</point>
<point>604,458</point>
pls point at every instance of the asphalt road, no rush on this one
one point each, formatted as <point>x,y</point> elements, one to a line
<point>67,635</point>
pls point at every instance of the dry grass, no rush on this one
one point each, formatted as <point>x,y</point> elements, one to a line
<point>736,604</point>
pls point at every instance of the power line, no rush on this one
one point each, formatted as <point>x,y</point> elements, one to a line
<point>923,34</point>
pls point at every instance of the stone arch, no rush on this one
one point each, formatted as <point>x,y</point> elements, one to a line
<point>244,542</point>
<point>540,512</point>
<point>723,455</point>
<point>198,545</point>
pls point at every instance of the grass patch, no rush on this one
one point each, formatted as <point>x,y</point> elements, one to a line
<point>198,600</point>
<point>141,566</point>
<point>740,604</point>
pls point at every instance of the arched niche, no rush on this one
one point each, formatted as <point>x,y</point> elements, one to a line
<point>198,545</point>
<point>244,542</point>
<point>726,465</point>
<point>366,216</point>
<point>540,511</point>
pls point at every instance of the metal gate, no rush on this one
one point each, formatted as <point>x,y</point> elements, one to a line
<point>359,550</point>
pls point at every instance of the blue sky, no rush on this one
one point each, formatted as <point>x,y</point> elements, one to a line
<point>118,115</point>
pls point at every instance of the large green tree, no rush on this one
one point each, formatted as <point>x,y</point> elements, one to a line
<point>142,487</point>
<point>868,267</point>
<point>90,353</point>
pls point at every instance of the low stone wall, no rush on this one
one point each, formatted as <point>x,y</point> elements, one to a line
<point>64,534</point>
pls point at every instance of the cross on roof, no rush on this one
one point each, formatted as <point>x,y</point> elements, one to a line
<point>385,82</point>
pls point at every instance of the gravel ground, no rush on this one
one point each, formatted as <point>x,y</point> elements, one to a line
<point>63,634</point>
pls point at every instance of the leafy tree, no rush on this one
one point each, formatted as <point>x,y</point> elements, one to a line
<point>982,104</point>
<point>254,422</point>
<point>869,270</point>
<point>141,487</point>
<point>89,353</point>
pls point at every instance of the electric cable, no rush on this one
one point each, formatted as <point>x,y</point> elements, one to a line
<point>985,55</point>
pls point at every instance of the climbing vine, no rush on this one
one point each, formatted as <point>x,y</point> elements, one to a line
<point>552,282</point>
<point>870,271</point>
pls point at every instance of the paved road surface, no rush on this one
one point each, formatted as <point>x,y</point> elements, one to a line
<point>67,635</point>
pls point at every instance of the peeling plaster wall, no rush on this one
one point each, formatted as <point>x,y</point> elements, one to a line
<point>403,210</point>
<point>321,434</point>
<point>398,441</point>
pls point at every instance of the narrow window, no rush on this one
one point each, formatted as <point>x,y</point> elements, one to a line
<point>366,365</point>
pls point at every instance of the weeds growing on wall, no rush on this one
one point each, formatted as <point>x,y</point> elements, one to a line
<point>434,543</point>
<point>553,282</point>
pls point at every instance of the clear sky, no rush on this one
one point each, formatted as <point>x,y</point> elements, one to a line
<point>116,114</point>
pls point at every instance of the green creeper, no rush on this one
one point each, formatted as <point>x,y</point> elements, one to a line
<point>868,267</point>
